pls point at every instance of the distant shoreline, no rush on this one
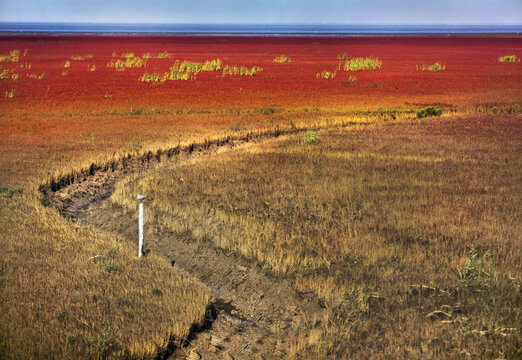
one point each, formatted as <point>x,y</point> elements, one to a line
<point>257,36</point>
<point>167,30</point>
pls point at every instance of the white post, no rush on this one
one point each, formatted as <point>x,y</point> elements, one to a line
<point>141,223</point>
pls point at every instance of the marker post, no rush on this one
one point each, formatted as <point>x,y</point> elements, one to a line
<point>141,223</point>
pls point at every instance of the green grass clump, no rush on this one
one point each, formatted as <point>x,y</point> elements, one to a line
<point>80,57</point>
<point>429,111</point>
<point>128,62</point>
<point>154,77</point>
<point>507,58</point>
<point>185,70</point>
<point>357,64</point>
<point>311,137</point>
<point>39,77</point>
<point>188,70</point>
<point>6,75</point>
<point>325,75</point>
<point>12,57</point>
<point>111,267</point>
<point>8,192</point>
<point>10,94</point>
<point>282,59</point>
<point>434,67</point>
<point>241,70</point>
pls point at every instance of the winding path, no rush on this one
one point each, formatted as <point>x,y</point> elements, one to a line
<point>252,314</point>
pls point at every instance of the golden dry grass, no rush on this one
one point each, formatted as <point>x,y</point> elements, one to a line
<point>407,231</point>
<point>71,292</point>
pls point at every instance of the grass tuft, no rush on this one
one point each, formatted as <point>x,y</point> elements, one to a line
<point>282,59</point>
<point>434,67</point>
<point>10,94</point>
<point>507,58</point>
<point>358,64</point>
<point>429,111</point>
<point>476,267</point>
<point>326,75</point>
<point>311,137</point>
<point>13,56</point>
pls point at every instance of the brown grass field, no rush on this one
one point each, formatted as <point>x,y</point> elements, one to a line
<point>405,231</point>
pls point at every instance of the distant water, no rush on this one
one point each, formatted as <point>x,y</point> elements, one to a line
<point>249,30</point>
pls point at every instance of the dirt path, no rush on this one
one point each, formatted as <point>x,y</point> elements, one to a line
<point>253,315</point>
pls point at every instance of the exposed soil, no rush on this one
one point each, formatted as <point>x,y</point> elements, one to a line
<point>254,314</point>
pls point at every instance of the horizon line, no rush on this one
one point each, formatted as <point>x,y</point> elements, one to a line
<point>258,24</point>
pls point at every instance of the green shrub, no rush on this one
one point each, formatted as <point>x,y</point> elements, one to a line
<point>357,64</point>
<point>429,111</point>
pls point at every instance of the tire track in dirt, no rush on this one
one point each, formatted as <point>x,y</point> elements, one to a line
<point>252,314</point>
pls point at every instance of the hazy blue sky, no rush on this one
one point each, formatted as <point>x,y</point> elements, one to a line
<point>265,12</point>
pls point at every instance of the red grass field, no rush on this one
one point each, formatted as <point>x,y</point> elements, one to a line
<point>472,75</point>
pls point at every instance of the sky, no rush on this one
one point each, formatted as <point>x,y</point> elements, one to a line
<point>265,12</point>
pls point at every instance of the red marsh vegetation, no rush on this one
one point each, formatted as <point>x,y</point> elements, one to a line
<point>470,74</point>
